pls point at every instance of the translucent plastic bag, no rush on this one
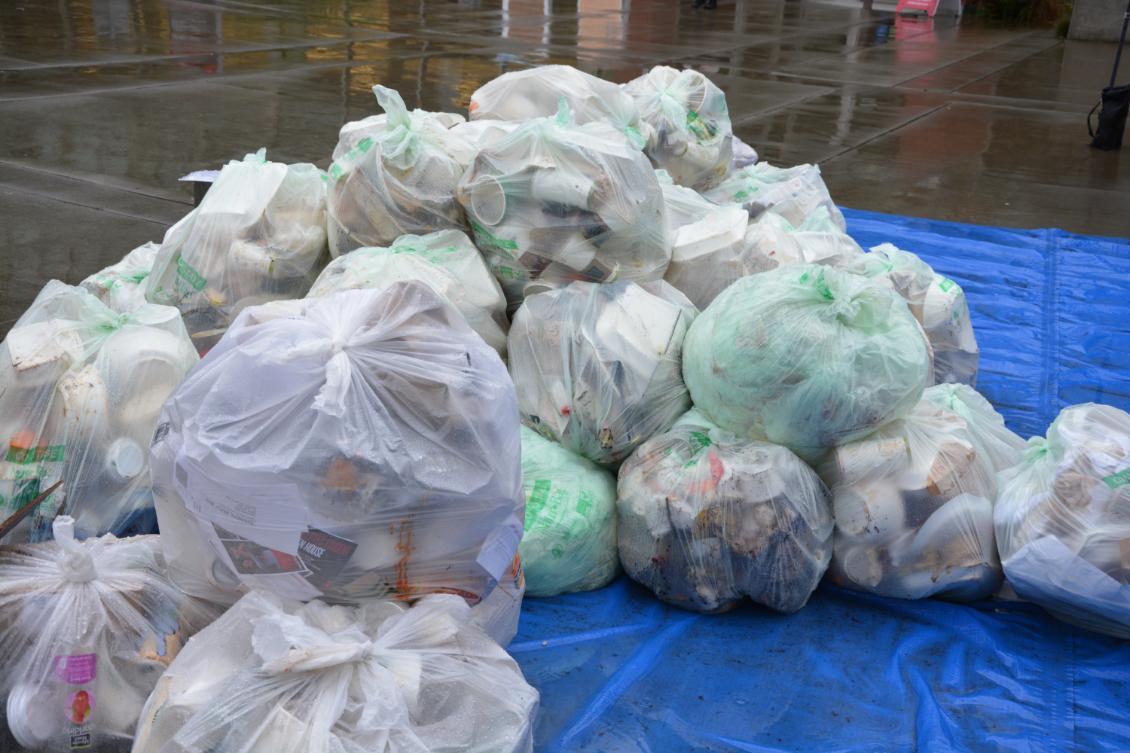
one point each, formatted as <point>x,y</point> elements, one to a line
<point>81,387</point>
<point>393,175</point>
<point>597,367</point>
<point>482,133</point>
<point>355,446</point>
<point>570,539</point>
<point>85,631</point>
<point>792,192</point>
<point>539,92</point>
<point>805,356</point>
<point>121,286</point>
<point>690,133</point>
<point>446,261</point>
<point>562,202</point>
<point>497,615</point>
<point>258,235</point>
<point>744,155</point>
<point>995,442</point>
<point>1062,521</point>
<point>272,676</point>
<point>707,519</point>
<point>914,509</point>
<point>937,302</point>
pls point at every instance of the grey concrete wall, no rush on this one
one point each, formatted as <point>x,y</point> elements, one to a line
<point>1097,20</point>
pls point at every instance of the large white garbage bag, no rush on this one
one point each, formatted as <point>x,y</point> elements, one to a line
<point>597,366</point>
<point>85,631</point>
<point>792,192</point>
<point>446,261</point>
<point>707,519</point>
<point>258,235</point>
<point>355,446</point>
<point>914,508</point>
<point>805,356</point>
<point>273,676</point>
<point>395,174</point>
<point>81,388</point>
<point>690,134</point>
<point>937,302</point>
<point>121,286</point>
<point>538,93</point>
<point>570,539</point>
<point>558,201</point>
<point>1062,524</point>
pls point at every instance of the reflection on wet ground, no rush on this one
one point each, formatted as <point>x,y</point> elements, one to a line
<point>104,103</point>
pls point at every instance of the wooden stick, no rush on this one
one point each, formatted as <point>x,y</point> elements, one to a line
<point>17,517</point>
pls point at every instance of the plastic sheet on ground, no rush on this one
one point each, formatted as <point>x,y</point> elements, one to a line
<point>619,671</point>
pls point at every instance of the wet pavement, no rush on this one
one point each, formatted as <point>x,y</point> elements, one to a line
<point>105,103</point>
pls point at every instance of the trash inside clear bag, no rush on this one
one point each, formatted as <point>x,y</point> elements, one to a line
<point>1062,521</point>
<point>913,504</point>
<point>707,519</point>
<point>539,92</point>
<point>258,235</point>
<point>998,444</point>
<point>805,356</point>
<point>85,631</point>
<point>355,446</point>
<point>690,134</point>
<point>446,261</point>
<point>274,676</point>
<point>559,201</point>
<point>81,387</point>
<point>792,192</point>
<point>570,539</point>
<point>597,366</point>
<point>937,302</point>
<point>121,286</point>
<point>395,176</point>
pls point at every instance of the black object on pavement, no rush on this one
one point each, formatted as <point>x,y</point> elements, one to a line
<point>1114,104</point>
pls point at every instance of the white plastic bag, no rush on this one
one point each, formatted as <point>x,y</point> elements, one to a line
<point>792,192</point>
<point>81,387</point>
<point>272,676</point>
<point>355,446</point>
<point>538,93</point>
<point>445,261</point>
<point>690,132</point>
<point>805,356</point>
<point>558,201</point>
<point>914,509</point>
<point>85,631</point>
<point>707,519</point>
<point>597,366</point>
<point>570,539</point>
<point>121,286</point>
<point>395,174</point>
<point>1062,524</point>
<point>937,302</point>
<point>497,615</point>
<point>258,235</point>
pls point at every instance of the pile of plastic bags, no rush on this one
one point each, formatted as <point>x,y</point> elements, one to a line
<point>81,387</point>
<point>258,235</point>
<point>1061,519</point>
<point>559,201</point>
<point>274,676</point>
<point>707,519</point>
<point>598,367</point>
<point>86,630</point>
<point>395,174</point>
<point>357,446</point>
<point>445,261</point>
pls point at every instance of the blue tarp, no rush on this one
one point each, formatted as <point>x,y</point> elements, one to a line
<point>853,673</point>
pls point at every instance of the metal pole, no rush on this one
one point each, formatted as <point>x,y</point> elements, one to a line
<point>1121,41</point>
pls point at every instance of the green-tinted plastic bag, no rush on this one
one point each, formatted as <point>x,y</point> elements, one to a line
<point>570,539</point>
<point>805,356</point>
